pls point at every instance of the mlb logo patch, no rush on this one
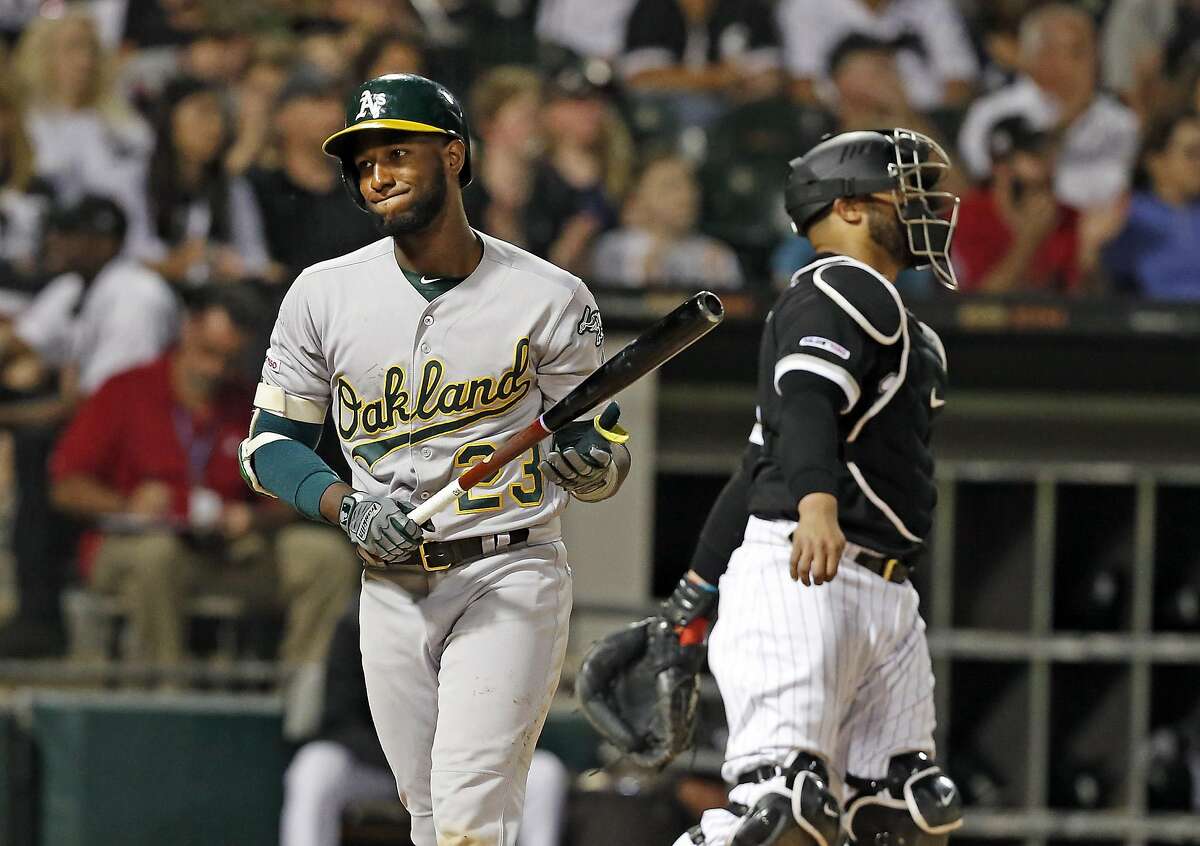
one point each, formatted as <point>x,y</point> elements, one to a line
<point>827,345</point>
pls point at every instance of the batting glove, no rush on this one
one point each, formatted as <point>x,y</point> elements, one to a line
<point>379,527</point>
<point>582,459</point>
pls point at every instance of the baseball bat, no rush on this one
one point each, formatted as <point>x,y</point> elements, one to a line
<point>670,336</point>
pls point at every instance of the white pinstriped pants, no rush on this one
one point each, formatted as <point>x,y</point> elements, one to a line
<point>841,670</point>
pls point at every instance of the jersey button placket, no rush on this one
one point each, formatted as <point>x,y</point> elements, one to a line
<point>423,349</point>
<point>420,349</point>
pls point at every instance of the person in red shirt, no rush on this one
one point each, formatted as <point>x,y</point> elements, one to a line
<point>1013,235</point>
<point>150,460</point>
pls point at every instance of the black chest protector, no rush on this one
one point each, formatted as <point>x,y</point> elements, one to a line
<point>887,451</point>
<point>843,321</point>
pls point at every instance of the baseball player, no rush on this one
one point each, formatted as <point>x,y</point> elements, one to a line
<point>827,683</point>
<point>429,347</point>
<point>818,649</point>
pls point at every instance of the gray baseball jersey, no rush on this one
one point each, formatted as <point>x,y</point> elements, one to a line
<point>421,390</point>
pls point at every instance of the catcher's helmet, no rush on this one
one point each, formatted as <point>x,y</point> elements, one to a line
<point>854,164</point>
<point>404,102</point>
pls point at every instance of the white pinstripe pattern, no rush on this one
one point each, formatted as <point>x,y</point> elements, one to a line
<point>841,670</point>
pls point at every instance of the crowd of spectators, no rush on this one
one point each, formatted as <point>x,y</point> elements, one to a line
<point>153,152</point>
<point>203,122</point>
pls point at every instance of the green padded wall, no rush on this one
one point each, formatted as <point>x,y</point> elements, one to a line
<point>6,779</point>
<point>131,769</point>
<point>17,788</point>
<point>569,736</point>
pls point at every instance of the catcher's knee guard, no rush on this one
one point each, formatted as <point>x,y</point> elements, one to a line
<point>803,813</point>
<point>915,805</point>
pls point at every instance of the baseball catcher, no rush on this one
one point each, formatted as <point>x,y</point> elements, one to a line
<point>820,652</point>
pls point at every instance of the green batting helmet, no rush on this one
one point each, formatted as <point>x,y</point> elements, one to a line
<point>404,102</point>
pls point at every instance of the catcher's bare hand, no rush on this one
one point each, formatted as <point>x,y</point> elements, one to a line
<point>818,541</point>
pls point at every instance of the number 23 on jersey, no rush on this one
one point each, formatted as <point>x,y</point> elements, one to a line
<point>527,492</point>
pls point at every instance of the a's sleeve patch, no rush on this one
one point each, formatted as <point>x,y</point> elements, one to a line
<point>590,322</point>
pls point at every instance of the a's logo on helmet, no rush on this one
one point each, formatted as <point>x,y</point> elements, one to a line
<point>372,103</point>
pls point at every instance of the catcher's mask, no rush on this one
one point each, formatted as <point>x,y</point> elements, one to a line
<point>901,161</point>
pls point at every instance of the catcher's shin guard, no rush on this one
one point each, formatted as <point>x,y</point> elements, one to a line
<point>916,805</point>
<point>802,813</point>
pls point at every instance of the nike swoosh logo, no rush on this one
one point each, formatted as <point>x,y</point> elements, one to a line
<point>934,400</point>
<point>427,281</point>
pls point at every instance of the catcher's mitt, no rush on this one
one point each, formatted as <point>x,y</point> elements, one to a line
<point>639,686</point>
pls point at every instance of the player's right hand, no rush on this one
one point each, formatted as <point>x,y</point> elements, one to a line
<point>380,527</point>
<point>817,542</point>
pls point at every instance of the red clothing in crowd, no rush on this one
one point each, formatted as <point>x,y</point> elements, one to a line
<point>132,431</point>
<point>983,238</point>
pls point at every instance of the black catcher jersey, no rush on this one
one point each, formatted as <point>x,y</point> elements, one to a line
<point>844,322</point>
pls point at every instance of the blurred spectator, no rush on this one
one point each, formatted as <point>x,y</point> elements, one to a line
<point>22,200</point>
<point>591,29</point>
<point>584,174</point>
<point>206,222</point>
<point>151,459</point>
<point>997,25</point>
<point>869,88</point>
<point>866,80</point>
<point>504,104</point>
<point>1099,135</point>
<point>659,245</point>
<point>159,23</point>
<point>934,53</point>
<point>390,51</point>
<point>702,52</point>
<point>217,55</point>
<point>1144,43</point>
<point>104,314</point>
<point>1156,252</point>
<point>98,315</point>
<point>474,36</point>
<point>255,98</point>
<point>1131,47</point>
<point>376,15</point>
<point>1012,233</point>
<point>85,138</point>
<point>344,763</point>
<point>870,93</point>
<point>306,216</point>
<point>322,45</point>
